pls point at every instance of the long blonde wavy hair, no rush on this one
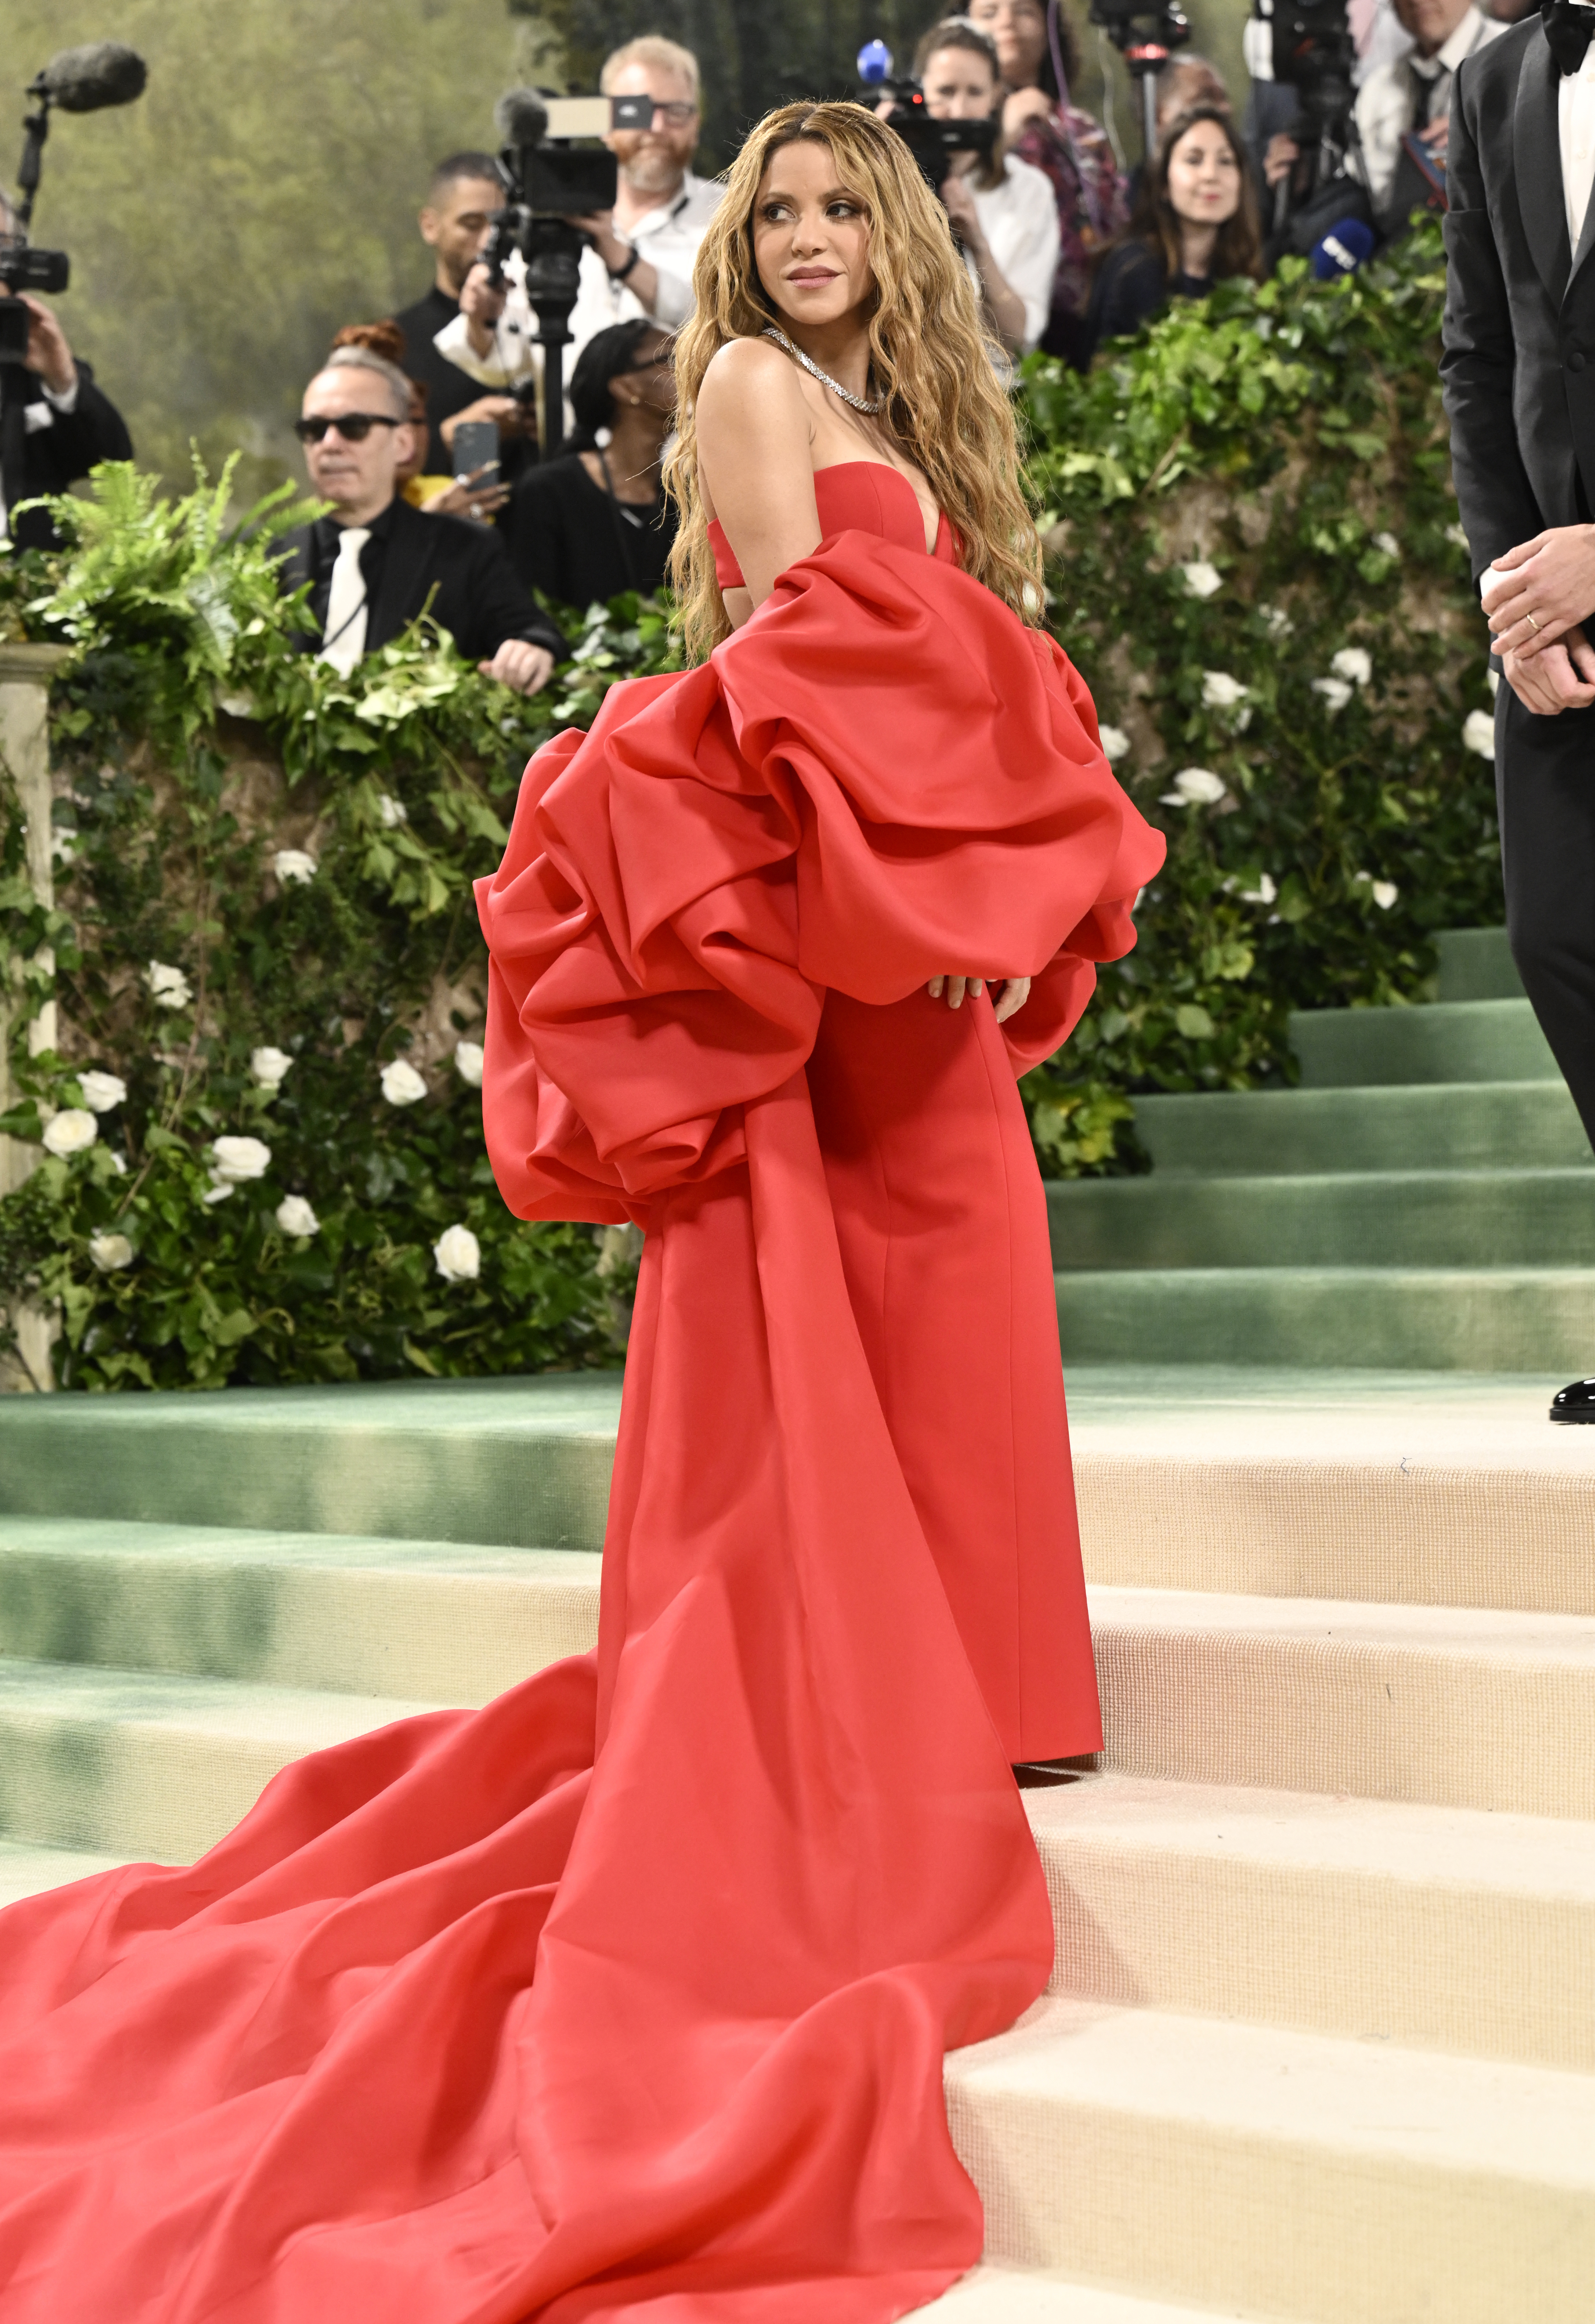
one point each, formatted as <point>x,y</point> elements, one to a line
<point>929,358</point>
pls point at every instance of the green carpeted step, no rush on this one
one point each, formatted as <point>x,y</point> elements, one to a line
<point>1476,1126</point>
<point>1452,1041</point>
<point>437,1620</point>
<point>1476,964</point>
<point>1402,1218</point>
<point>1539,1319</point>
<point>504,1462</point>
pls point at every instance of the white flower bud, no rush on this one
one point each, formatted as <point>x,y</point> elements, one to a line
<point>101,1091</point>
<point>1201,578</point>
<point>1336,692</point>
<point>458,1255</point>
<point>110,1251</point>
<point>73,1131</point>
<point>1353,662</point>
<point>269,1066</point>
<point>1196,787</point>
<point>1478,733</point>
<point>1384,892</point>
<point>236,1161</point>
<point>392,811</point>
<point>1219,691</point>
<point>467,1062</point>
<point>169,987</point>
<point>293,867</point>
<point>401,1084</point>
<point>294,1216</point>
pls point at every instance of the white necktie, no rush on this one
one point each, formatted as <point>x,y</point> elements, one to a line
<point>346,605</point>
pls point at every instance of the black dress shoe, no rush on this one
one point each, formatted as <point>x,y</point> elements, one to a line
<point>1037,1774</point>
<point>1576,1401</point>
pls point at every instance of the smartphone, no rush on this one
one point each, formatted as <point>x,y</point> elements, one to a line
<point>476,446</point>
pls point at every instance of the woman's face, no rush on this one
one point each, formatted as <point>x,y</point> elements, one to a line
<point>1019,27</point>
<point>811,237</point>
<point>1203,176</point>
<point>959,86</point>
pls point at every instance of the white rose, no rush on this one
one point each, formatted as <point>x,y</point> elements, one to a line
<point>1384,892</point>
<point>294,1216</point>
<point>236,704</point>
<point>101,1091</point>
<point>1264,892</point>
<point>1353,662</point>
<point>1201,578</point>
<point>401,1084</point>
<point>1195,787</point>
<point>1336,692</point>
<point>236,1161</point>
<point>1219,691</point>
<point>169,987</point>
<point>458,1255</point>
<point>1115,742</point>
<point>218,1193</point>
<point>1478,733</point>
<point>467,1062</point>
<point>293,866</point>
<point>392,811</point>
<point>1276,621</point>
<point>1387,544</point>
<point>110,1251</point>
<point>1456,535</point>
<point>73,1131</point>
<point>269,1066</point>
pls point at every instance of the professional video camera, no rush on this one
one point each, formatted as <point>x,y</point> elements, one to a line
<point>1146,37</point>
<point>1315,53</point>
<point>551,177</point>
<point>77,80</point>
<point>932,144</point>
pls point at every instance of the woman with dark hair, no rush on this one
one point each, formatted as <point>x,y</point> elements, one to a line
<point>594,520</point>
<point>1196,223</point>
<point>1035,45</point>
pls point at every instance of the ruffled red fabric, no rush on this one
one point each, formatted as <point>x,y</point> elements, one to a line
<point>627,1996</point>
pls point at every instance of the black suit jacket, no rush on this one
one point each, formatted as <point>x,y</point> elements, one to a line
<point>1519,337</point>
<point>479,598</point>
<point>48,459</point>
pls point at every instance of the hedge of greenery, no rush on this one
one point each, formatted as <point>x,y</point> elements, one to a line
<point>263,1156</point>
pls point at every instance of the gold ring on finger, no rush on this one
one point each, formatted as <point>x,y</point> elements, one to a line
<point>1533,624</point>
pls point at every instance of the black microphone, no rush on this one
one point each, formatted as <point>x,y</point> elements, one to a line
<point>521,118</point>
<point>83,80</point>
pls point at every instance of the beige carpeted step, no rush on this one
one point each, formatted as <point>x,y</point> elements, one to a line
<point>1396,1702</point>
<point>1435,1928</point>
<point>1290,2175</point>
<point>1009,2295</point>
<point>28,1869</point>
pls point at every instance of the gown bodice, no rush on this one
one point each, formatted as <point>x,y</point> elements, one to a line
<point>854,496</point>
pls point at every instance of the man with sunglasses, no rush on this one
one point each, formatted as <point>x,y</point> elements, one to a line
<point>374,563</point>
<point>639,256</point>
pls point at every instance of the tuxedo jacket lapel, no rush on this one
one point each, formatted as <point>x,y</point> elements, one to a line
<point>1536,148</point>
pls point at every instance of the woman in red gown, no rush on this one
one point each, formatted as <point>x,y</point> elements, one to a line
<point>627,1996</point>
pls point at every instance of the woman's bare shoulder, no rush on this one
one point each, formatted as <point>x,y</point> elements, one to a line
<point>743,363</point>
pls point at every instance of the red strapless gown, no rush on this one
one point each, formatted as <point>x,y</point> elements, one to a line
<point>626,1997</point>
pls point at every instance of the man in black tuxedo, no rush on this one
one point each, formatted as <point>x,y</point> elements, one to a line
<point>375,562</point>
<point>1519,373</point>
<point>465,193</point>
<point>55,424</point>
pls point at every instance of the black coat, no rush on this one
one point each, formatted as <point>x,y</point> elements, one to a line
<point>478,599</point>
<point>1519,337</point>
<point>48,459</point>
<point>568,538</point>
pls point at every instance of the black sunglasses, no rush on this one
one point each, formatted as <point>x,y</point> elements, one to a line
<point>353,426</point>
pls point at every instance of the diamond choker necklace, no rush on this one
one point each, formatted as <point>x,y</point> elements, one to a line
<point>859,402</point>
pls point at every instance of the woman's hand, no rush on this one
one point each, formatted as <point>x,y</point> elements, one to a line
<point>479,495</point>
<point>1016,991</point>
<point>1025,105</point>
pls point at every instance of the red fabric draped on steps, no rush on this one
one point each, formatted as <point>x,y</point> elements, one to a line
<point>627,1996</point>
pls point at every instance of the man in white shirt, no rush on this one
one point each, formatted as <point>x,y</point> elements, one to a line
<point>640,255</point>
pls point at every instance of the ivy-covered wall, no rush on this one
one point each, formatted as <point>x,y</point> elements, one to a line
<point>263,1155</point>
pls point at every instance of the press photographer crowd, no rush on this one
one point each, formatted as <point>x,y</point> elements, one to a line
<point>498,444</point>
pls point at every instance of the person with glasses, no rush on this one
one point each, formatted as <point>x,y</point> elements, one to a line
<point>374,563</point>
<point>595,521</point>
<point>639,256</point>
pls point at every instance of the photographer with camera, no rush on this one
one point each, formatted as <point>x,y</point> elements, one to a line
<point>1002,210</point>
<point>465,194</point>
<point>55,423</point>
<point>374,563</point>
<point>638,258</point>
<point>1036,54</point>
<point>1196,223</point>
<point>1402,112</point>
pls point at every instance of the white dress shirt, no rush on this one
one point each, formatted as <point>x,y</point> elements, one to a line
<point>1385,109</point>
<point>1575,123</point>
<point>1020,219</point>
<point>667,239</point>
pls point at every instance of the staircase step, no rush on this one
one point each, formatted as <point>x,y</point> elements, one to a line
<point>28,1870</point>
<point>436,1620</point>
<point>1385,1218</point>
<point>1442,1705</point>
<point>1445,1041</point>
<point>1014,2295</point>
<point>141,1764</point>
<point>1538,1320</point>
<point>1439,1490</point>
<point>1434,1928</point>
<point>1337,2183</point>
<point>519,1463</point>
<point>1465,1126</point>
<point>1477,964</point>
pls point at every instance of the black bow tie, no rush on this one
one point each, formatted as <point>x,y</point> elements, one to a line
<point>1568,29</point>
